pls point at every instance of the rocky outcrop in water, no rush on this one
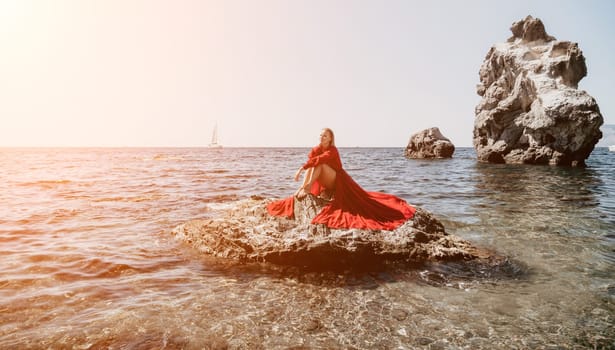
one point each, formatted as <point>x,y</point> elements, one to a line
<point>531,109</point>
<point>248,233</point>
<point>429,143</point>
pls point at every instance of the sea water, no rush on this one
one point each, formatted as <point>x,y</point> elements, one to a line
<point>87,260</point>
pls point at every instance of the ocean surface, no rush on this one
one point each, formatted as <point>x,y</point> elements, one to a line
<point>87,260</point>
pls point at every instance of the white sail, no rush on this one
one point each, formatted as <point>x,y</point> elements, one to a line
<point>214,138</point>
<point>612,148</point>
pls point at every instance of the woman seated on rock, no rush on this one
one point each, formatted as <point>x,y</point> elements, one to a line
<point>322,167</point>
<point>351,206</point>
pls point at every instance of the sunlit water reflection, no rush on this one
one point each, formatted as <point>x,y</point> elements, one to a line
<point>88,262</point>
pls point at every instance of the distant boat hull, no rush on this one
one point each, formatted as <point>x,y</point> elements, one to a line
<point>612,148</point>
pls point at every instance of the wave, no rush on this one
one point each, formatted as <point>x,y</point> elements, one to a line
<point>45,183</point>
<point>135,199</point>
<point>166,157</point>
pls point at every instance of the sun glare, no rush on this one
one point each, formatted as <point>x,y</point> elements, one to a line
<point>12,14</point>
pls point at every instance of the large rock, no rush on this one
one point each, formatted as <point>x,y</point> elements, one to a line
<point>429,143</point>
<point>249,233</point>
<point>531,110</point>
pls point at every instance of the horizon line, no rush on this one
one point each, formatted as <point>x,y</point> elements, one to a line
<point>203,147</point>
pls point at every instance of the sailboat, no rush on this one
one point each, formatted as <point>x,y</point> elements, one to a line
<point>214,139</point>
<point>612,148</point>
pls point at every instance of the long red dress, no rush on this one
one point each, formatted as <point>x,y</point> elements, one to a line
<point>352,206</point>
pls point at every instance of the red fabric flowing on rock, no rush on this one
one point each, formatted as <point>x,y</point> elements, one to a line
<point>352,206</point>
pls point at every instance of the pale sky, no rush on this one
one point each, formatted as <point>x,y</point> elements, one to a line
<point>269,73</point>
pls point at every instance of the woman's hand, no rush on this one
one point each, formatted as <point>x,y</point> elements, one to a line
<point>298,174</point>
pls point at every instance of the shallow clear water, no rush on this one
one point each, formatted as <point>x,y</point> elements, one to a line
<point>87,259</point>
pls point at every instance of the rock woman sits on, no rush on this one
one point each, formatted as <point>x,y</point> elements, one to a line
<point>350,206</point>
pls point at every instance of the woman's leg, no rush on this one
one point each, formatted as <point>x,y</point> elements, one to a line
<point>326,176</point>
<point>304,189</point>
<point>321,173</point>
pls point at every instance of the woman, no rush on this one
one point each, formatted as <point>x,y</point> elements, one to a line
<point>322,166</point>
<point>351,206</point>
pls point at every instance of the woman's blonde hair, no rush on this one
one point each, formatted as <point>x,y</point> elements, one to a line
<point>332,135</point>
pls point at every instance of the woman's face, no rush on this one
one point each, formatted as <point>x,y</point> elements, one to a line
<point>325,138</point>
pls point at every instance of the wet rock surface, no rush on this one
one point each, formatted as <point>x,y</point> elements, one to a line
<point>531,110</point>
<point>429,143</point>
<point>247,233</point>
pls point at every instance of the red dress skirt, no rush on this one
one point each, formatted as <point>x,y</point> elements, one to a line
<point>352,206</point>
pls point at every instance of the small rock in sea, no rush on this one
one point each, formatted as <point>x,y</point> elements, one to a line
<point>439,345</point>
<point>399,314</point>
<point>424,340</point>
<point>312,325</point>
<point>429,143</point>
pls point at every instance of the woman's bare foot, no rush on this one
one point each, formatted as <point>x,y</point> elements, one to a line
<point>301,192</point>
